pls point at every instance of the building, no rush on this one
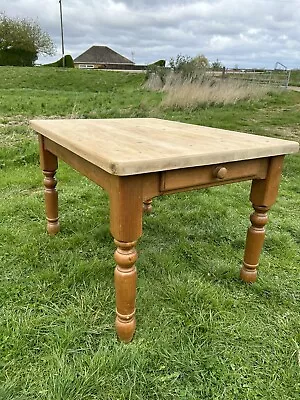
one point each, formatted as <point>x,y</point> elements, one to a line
<point>102,57</point>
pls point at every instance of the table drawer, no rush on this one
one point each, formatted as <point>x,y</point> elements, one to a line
<point>211,175</point>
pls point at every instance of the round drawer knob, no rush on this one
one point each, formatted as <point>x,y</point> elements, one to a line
<point>220,172</point>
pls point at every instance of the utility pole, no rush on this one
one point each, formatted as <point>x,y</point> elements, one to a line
<point>62,34</point>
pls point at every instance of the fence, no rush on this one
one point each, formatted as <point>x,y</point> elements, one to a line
<point>279,77</point>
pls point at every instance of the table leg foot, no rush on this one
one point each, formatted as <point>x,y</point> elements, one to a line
<point>51,202</point>
<point>248,273</point>
<point>125,285</point>
<point>147,206</point>
<point>254,243</point>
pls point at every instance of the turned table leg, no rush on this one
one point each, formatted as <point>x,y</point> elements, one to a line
<point>254,243</point>
<point>263,195</point>
<point>125,285</point>
<point>49,167</point>
<point>126,227</point>
<point>147,206</point>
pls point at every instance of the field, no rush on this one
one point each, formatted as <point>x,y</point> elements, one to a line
<point>201,332</point>
<point>295,78</point>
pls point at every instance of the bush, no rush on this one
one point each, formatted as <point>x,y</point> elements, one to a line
<point>69,63</point>
<point>190,68</point>
<point>155,73</point>
<point>159,63</point>
<point>17,57</point>
<point>217,65</point>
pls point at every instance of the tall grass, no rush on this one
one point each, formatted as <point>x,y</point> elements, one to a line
<point>201,90</point>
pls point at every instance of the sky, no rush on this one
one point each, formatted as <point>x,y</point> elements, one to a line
<point>243,33</point>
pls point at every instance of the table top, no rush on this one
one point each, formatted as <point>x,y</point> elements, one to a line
<point>129,146</point>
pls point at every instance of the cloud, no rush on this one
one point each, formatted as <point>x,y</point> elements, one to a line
<point>256,33</point>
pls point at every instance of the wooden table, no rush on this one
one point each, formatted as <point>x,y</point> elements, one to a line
<point>135,160</point>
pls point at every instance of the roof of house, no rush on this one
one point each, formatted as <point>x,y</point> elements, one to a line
<point>102,55</point>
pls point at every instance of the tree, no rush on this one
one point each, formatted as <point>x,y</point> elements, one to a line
<point>188,67</point>
<point>200,62</point>
<point>217,65</point>
<point>21,40</point>
<point>178,63</point>
<point>188,63</point>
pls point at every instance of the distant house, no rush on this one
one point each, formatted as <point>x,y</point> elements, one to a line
<point>102,57</point>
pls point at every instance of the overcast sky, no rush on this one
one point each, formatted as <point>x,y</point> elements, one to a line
<point>247,33</point>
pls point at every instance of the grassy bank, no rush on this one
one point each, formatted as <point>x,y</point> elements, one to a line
<point>202,334</point>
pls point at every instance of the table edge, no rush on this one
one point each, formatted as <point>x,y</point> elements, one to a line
<point>127,168</point>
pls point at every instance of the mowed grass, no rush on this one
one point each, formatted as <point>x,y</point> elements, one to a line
<point>201,332</point>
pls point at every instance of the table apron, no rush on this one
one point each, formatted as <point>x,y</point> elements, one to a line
<point>86,168</point>
<point>167,182</point>
<point>186,179</point>
<point>208,175</point>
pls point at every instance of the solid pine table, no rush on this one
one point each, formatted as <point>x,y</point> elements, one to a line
<point>135,160</point>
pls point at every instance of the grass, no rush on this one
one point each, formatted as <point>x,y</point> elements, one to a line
<point>295,78</point>
<point>201,334</point>
<point>190,93</point>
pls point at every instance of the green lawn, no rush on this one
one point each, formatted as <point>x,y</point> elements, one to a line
<point>201,332</point>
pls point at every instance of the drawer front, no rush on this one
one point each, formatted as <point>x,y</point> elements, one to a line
<point>212,175</point>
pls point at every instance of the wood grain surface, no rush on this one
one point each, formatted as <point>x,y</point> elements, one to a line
<point>142,145</point>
